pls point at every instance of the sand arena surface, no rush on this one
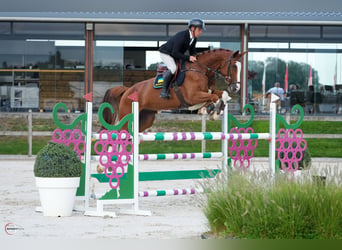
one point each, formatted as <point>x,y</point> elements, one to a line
<point>173,217</point>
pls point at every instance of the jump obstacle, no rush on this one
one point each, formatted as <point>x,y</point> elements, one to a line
<point>118,152</point>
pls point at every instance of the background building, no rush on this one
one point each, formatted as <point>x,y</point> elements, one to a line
<point>58,51</point>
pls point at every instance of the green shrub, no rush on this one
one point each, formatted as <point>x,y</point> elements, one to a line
<point>57,160</point>
<point>239,207</point>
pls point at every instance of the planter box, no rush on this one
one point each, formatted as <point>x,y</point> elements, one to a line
<point>57,195</point>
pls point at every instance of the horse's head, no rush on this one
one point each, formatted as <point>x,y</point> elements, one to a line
<point>223,63</point>
<point>230,70</point>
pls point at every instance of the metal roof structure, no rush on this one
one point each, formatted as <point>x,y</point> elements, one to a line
<point>293,17</point>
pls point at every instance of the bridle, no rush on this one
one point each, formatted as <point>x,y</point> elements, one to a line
<point>217,72</point>
<point>227,77</point>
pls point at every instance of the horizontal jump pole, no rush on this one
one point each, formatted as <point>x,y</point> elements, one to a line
<point>172,156</point>
<point>191,136</point>
<point>166,192</point>
<point>180,156</point>
<point>198,136</point>
<point>166,175</point>
<point>170,192</point>
<point>96,136</point>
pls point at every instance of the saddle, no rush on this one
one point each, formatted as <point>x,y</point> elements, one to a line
<point>177,79</point>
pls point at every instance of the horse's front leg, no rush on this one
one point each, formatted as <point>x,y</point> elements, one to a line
<point>223,95</point>
<point>201,97</point>
<point>215,109</point>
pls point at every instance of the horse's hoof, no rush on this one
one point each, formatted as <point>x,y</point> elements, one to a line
<point>221,108</point>
<point>214,116</point>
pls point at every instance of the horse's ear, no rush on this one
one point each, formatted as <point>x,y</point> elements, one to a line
<point>235,54</point>
<point>243,53</point>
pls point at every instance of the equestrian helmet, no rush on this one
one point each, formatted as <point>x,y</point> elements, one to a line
<point>196,22</point>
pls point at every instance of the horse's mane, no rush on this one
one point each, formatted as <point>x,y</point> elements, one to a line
<point>214,51</point>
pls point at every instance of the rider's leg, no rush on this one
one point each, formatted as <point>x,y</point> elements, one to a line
<point>166,84</point>
<point>172,67</point>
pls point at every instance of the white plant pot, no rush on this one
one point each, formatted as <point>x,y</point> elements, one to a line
<point>57,195</point>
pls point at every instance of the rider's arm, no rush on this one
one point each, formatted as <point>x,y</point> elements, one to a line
<point>192,49</point>
<point>180,44</point>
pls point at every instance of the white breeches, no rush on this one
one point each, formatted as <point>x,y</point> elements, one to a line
<point>169,62</point>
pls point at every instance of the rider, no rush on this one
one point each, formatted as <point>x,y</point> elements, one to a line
<point>175,49</point>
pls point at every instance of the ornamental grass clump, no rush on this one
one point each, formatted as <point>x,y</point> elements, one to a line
<point>57,160</point>
<point>238,206</point>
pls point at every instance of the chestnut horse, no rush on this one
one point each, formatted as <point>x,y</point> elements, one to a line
<point>197,88</point>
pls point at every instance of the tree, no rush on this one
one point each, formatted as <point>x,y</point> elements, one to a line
<point>256,82</point>
<point>298,74</point>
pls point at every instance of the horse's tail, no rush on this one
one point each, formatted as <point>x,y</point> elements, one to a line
<point>113,97</point>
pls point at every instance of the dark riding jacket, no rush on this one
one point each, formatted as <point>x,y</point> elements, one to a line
<point>178,44</point>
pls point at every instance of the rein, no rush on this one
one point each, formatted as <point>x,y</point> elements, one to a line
<point>217,72</point>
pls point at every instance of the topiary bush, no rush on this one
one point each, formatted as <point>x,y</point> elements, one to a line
<point>57,160</point>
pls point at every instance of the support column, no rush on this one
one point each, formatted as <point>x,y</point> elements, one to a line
<point>88,91</point>
<point>244,61</point>
<point>273,114</point>
<point>89,58</point>
<point>224,146</point>
<point>89,110</point>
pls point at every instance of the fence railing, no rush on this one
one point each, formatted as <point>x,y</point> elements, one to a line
<point>29,133</point>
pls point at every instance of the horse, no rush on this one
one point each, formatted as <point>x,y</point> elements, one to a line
<point>197,88</point>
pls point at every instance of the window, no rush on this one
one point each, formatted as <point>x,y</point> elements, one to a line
<point>217,32</point>
<point>332,32</point>
<point>5,28</point>
<point>140,31</point>
<point>47,29</point>
<point>270,32</point>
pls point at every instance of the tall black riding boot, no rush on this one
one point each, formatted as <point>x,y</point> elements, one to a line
<point>167,80</point>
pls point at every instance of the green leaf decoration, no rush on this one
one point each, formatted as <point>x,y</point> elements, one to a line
<point>128,118</point>
<point>81,118</point>
<point>232,118</point>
